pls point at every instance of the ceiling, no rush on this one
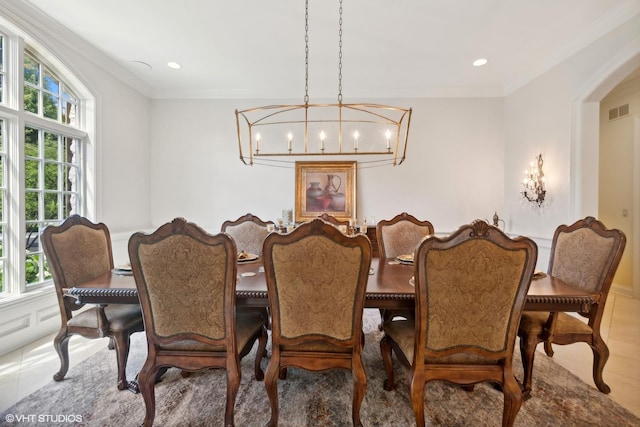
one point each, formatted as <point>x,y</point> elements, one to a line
<point>400,48</point>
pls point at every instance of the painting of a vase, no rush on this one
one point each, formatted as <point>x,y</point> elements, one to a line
<point>325,187</point>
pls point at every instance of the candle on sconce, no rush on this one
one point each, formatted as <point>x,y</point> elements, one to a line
<point>356,135</point>
<point>289,139</point>
<point>388,134</point>
<point>322,137</point>
<point>258,137</point>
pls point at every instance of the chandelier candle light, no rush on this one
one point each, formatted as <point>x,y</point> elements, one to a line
<point>533,184</point>
<point>274,134</point>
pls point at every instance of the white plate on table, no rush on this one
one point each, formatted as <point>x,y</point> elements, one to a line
<point>124,269</point>
<point>405,259</point>
<point>247,257</point>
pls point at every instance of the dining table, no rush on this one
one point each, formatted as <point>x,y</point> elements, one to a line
<point>389,286</point>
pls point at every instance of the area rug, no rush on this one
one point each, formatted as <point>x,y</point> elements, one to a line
<point>88,397</point>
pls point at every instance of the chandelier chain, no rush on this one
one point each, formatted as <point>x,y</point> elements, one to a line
<point>306,52</point>
<point>377,130</point>
<point>340,55</point>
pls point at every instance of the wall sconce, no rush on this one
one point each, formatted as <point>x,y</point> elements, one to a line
<point>533,184</point>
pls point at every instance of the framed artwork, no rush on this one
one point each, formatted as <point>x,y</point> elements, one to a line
<point>325,187</point>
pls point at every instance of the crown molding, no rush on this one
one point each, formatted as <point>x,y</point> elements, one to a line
<point>37,27</point>
<point>624,13</point>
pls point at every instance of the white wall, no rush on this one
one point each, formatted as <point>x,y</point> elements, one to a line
<point>541,117</point>
<point>452,174</point>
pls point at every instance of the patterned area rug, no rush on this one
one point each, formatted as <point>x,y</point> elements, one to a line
<point>88,397</point>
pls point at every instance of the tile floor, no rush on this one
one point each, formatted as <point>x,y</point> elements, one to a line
<point>25,370</point>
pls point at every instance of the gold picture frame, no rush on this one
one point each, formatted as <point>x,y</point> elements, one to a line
<point>325,187</point>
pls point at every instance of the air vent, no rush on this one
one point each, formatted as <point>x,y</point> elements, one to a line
<point>623,110</point>
<point>618,112</point>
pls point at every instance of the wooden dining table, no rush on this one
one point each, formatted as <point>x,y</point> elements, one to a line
<point>388,287</point>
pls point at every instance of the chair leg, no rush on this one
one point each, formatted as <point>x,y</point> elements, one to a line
<point>359,389</point>
<point>416,390</point>
<point>600,357</point>
<point>382,319</point>
<point>270,382</point>
<point>548,349</point>
<point>233,384</point>
<point>528,343</point>
<point>512,399</point>
<point>385,351</point>
<point>111,345</point>
<point>61,344</point>
<point>283,374</point>
<point>121,340</point>
<point>146,383</point>
<point>262,349</point>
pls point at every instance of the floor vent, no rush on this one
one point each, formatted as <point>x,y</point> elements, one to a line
<point>619,112</point>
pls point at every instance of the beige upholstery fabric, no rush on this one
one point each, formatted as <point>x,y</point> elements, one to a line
<point>248,236</point>
<point>585,255</point>
<point>403,333</point>
<point>464,304</point>
<point>534,321</point>
<point>580,258</point>
<point>328,263</point>
<point>120,316</point>
<point>85,244</point>
<point>182,259</point>
<point>78,251</point>
<point>186,281</point>
<point>465,307</point>
<point>402,238</point>
<point>316,280</point>
<point>470,291</point>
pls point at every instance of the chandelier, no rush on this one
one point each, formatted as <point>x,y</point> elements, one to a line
<point>533,184</point>
<point>275,135</point>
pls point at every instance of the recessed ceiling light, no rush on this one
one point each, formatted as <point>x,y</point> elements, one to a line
<point>479,62</point>
<point>174,65</point>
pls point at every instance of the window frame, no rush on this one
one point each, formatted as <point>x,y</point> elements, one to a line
<point>15,119</point>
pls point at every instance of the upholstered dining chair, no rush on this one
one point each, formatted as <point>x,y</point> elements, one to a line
<point>186,280</point>
<point>316,282</point>
<point>248,231</point>
<point>585,254</point>
<point>397,236</point>
<point>77,251</point>
<point>470,293</point>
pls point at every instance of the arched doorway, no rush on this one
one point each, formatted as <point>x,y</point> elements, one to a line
<point>585,145</point>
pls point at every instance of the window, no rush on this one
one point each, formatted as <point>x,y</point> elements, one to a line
<point>51,192</point>
<point>45,94</point>
<point>42,161</point>
<point>1,68</point>
<point>3,204</point>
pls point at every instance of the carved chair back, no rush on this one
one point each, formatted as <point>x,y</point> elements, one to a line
<point>401,235</point>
